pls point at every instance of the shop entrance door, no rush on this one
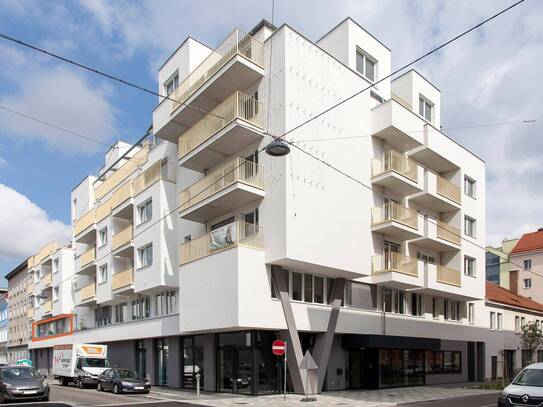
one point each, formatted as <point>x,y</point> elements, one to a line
<point>364,369</point>
<point>236,370</point>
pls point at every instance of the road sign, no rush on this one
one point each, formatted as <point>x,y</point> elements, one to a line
<point>308,362</point>
<point>278,347</point>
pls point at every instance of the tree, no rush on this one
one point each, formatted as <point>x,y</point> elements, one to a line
<point>530,337</point>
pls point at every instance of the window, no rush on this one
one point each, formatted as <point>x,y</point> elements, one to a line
<point>399,304</point>
<point>416,304</point>
<point>55,265</point>
<point>469,266</point>
<point>318,294</point>
<point>528,264</point>
<point>102,237</point>
<point>499,325</point>
<point>387,300</point>
<point>55,293</point>
<point>145,211</point>
<point>471,313</point>
<point>120,312</point>
<point>171,84</point>
<point>469,186</point>
<point>492,320</point>
<point>446,309</point>
<point>296,287</point>
<point>165,303</point>
<point>527,283</point>
<point>517,324</point>
<point>469,226</point>
<point>366,65</point>
<point>102,273</point>
<point>145,255</point>
<point>141,308</point>
<point>425,108</point>
<point>522,322</point>
<point>435,307</point>
<point>455,310</point>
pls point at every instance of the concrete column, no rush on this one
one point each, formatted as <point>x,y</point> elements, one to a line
<point>150,360</point>
<point>210,361</point>
<point>174,362</point>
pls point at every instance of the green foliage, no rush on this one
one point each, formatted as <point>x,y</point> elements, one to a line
<point>530,337</point>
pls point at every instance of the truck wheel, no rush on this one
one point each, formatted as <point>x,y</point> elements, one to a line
<point>62,381</point>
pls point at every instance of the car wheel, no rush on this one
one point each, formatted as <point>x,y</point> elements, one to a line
<point>79,383</point>
<point>116,389</point>
<point>99,387</point>
<point>146,392</point>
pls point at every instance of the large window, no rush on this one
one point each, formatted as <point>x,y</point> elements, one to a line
<point>145,255</point>
<point>171,84</point>
<point>416,304</point>
<point>425,108</point>
<point>121,311</point>
<point>366,65</point>
<point>103,315</point>
<point>527,283</point>
<point>469,226</point>
<point>469,266</point>
<point>141,358</point>
<point>141,308</point>
<point>165,303</point>
<point>145,211</point>
<point>443,362</point>
<point>469,186</point>
<point>528,264</point>
<point>307,287</point>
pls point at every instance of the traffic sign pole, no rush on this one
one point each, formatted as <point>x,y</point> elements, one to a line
<point>285,375</point>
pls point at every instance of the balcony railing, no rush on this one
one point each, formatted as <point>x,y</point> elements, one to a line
<point>47,279</point>
<point>448,189</point>
<point>88,257</point>
<point>123,279</point>
<point>45,251</point>
<point>237,170</point>
<point>236,106</point>
<point>88,292</point>
<point>121,238</point>
<point>84,222</point>
<point>47,306</point>
<point>30,288</point>
<point>394,262</point>
<point>448,275</point>
<point>234,234</point>
<point>397,162</point>
<point>391,211</point>
<point>30,313</point>
<point>448,232</point>
<point>149,177</point>
<point>121,195</point>
<point>236,43</point>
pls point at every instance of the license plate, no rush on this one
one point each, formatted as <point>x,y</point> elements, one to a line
<point>138,388</point>
<point>30,391</point>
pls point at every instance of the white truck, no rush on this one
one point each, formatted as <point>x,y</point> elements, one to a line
<point>79,363</point>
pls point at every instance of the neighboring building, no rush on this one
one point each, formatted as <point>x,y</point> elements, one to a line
<point>527,266</point>
<point>504,314</point>
<point>18,326</point>
<point>375,281</point>
<point>498,264</point>
<point>50,275</point>
<point>4,322</point>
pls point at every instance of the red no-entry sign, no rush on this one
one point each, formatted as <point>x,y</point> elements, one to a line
<point>279,347</point>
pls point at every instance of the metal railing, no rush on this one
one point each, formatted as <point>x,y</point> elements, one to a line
<point>88,257</point>
<point>395,262</point>
<point>237,233</point>
<point>448,232</point>
<point>236,170</point>
<point>123,279</point>
<point>236,106</point>
<point>122,237</point>
<point>448,189</point>
<point>88,292</point>
<point>237,43</point>
<point>392,211</point>
<point>392,160</point>
<point>448,275</point>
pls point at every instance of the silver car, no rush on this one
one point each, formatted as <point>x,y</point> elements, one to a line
<point>526,389</point>
<point>22,383</point>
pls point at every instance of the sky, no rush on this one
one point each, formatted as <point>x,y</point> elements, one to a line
<point>491,76</point>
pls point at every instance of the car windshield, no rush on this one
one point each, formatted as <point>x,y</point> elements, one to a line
<point>529,377</point>
<point>19,373</point>
<point>127,374</point>
<point>94,362</point>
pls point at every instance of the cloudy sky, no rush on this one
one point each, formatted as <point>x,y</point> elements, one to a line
<point>492,76</point>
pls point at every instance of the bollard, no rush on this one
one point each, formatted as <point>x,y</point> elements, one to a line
<point>198,384</point>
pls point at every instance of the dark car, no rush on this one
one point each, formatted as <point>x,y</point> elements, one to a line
<point>22,383</point>
<point>122,381</point>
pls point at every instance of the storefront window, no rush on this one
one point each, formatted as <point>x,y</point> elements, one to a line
<point>161,361</point>
<point>141,358</point>
<point>193,360</point>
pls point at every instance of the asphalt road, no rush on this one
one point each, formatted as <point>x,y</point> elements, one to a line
<point>482,400</point>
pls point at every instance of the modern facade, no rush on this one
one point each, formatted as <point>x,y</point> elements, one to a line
<point>498,263</point>
<point>194,249</point>
<point>18,305</point>
<point>4,322</point>
<point>526,266</point>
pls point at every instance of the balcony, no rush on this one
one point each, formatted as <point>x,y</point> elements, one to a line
<point>30,288</point>
<point>437,150</point>
<point>438,236</point>
<point>30,313</point>
<point>121,195</point>
<point>122,238</point>
<point>232,185</point>
<point>47,280</point>
<point>394,220</point>
<point>229,236</point>
<point>87,293</point>
<point>395,270</point>
<point>236,64</point>
<point>447,281</point>
<point>85,228</point>
<point>87,259</point>
<point>439,194</point>
<point>397,125</point>
<point>447,275</point>
<point>46,307</point>
<point>231,126</point>
<point>123,280</point>
<point>396,172</point>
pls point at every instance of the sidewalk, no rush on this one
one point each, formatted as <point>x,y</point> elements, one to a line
<point>359,398</point>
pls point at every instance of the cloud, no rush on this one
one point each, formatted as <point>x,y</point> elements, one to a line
<point>25,227</point>
<point>58,95</point>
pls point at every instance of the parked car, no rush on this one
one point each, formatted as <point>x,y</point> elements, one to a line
<point>525,389</point>
<point>122,381</point>
<point>22,383</point>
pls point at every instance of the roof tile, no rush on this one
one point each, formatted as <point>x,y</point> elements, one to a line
<point>499,294</point>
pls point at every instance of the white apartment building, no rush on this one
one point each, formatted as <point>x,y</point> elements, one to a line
<point>194,250</point>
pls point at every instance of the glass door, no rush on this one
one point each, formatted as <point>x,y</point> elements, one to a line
<point>161,357</point>
<point>244,371</point>
<point>226,369</point>
<point>390,258</point>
